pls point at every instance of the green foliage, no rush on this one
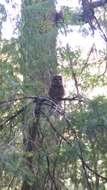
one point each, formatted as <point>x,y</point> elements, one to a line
<point>26,64</point>
<point>3,16</point>
<point>10,69</point>
<point>91,126</point>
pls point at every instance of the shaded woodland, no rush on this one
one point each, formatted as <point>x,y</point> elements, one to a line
<point>56,142</point>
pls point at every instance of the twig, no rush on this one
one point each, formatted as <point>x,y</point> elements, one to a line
<point>88,57</point>
<point>13,116</point>
<point>49,172</point>
<point>10,182</point>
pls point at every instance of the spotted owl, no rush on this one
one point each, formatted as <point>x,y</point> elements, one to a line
<point>56,91</point>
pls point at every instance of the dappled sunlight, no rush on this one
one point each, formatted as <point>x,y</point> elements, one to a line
<point>13,15</point>
<point>53,97</point>
<point>97,91</point>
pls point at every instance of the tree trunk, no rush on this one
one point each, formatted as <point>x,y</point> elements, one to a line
<point>38,50</point>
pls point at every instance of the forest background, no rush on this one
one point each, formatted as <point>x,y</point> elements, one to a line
<point>61,147</point>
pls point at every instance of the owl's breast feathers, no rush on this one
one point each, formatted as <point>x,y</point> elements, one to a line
<point>56,92</point>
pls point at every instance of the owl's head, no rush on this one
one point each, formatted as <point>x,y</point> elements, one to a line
<point>57,79</point>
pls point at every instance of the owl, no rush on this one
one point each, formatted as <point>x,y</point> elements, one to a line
<point>56,91</point>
